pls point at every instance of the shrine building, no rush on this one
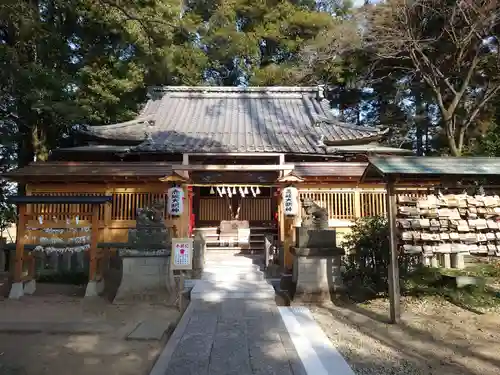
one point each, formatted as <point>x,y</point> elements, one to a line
<point>218,154</point>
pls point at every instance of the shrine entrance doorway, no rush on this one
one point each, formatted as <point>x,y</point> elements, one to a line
<point>223,211</point>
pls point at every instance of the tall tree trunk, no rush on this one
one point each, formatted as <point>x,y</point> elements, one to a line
<point>25,156</point>
<point>39,141</point>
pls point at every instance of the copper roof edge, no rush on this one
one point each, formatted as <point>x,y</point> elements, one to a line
<point>226,89</point>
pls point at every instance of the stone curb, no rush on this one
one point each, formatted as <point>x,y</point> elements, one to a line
<point>165,356</point>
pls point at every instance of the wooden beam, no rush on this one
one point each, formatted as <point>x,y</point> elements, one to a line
<point>290,177</point>
<point>174,178</point>
<point>233,167</point>
<point>242,154</point>
<point>394,291</point>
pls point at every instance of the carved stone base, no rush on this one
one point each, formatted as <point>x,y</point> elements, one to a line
<point>304,297</point>
<point>30,287</point>
<point>145,278</point>
<point>94,288</point>
<point>16,290</point>
<point>317,274</point>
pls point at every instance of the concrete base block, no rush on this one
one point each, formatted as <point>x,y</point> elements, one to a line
<point>317,278</point>
<point>427,261</point>
<point>458,261</point>
<point>94,288</point>
<point>445,260</point>
<point>16,291</point>
<point>304,297</point>
<point>143,276</point>
<point>30,287</point>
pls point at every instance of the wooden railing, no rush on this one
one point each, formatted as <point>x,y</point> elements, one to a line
<point>62,211</point>
<point>340,204</point>
<point>124,205</point>
<point>372,203</point>
<point>349,204</point>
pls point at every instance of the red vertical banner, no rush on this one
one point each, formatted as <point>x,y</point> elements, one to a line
<point>190,208</point>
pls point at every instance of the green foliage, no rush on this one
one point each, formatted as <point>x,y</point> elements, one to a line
<point>366,271</point>
<point>366,267</point>
<point>426,281</point>
<point>489,144</point>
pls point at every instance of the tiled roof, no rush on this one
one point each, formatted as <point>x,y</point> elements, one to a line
<point>88,170</point>
<point>330,169</point>
<point>230,119</point>
<point>433,166</point>
<point>373,148</point>
<point>85,171</point>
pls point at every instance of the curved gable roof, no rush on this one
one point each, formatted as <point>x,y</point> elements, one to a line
<point>232,119</point>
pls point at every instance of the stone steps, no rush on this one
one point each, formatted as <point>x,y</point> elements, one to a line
<point>231,277</point>
<point>223,274</point>
<point>210,291</point>
<point>231,264</point>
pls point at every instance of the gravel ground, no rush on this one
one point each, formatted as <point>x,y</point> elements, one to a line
<point>434,338</point>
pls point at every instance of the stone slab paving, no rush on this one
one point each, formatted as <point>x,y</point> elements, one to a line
<point>231,337</point>
<point>234,327</point>
<point>149,330</point>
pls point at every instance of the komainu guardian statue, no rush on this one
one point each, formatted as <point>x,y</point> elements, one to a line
<point>316,217</point>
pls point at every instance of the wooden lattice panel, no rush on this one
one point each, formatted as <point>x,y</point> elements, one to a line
<point>340,205</point>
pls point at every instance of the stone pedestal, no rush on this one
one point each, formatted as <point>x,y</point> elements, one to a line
<point>145,276</point>
<point>317,273</point>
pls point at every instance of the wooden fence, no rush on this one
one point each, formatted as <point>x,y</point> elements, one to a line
<point>341,204</point>
<point>349,204</point>
<point>123,207</point>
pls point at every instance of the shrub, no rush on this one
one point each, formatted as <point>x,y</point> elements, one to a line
<point>366,267</point>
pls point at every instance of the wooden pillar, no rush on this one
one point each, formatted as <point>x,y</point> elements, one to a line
<point>357,204</point>
<point>20,242</point>
<point>106,237</point>
<point>289,234</point>
<point>94,234</point>
<point>281,218</point>
<point>190,199</point>
<point>394,292</point>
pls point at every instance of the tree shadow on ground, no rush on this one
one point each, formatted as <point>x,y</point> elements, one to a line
<point>416,344</point>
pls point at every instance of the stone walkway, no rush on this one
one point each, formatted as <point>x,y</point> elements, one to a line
<point>234,327</point>
<point>232,337</point>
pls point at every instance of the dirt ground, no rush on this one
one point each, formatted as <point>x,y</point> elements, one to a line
<point>435,337</point>
<point>103,350</point>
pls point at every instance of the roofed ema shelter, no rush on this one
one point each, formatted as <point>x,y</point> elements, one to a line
<point>231,150</point>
